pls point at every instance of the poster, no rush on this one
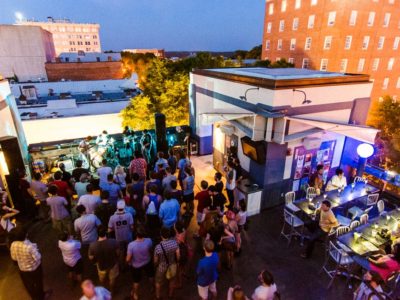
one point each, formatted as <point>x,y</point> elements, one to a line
<point>296,185</point>
<point>299,167</point>
<point>320,157</point>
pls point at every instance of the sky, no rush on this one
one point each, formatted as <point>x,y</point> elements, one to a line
<point>213,25</point>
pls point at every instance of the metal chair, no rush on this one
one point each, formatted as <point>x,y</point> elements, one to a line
<point>381,206</point>
<point>289,199</point>
<point>364,219</point>
<point>359,179</point>
<point>311,192</point>
<point>342,230</point>
<point>393,282</point>
<point>372,199</point>
<point>354,224</point>
<point>341,260</point>
<point>295,224</point>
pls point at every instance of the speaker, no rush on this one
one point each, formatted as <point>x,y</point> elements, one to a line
<point>161,133</point>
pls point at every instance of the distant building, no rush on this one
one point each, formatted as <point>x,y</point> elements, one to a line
<point>160,53</point>
<point>69,36</point>
<point>337,36</point>
<point>24,51</point>
<point>85,66</point>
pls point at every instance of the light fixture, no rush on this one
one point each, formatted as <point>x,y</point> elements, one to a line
<point>305,101</point>
<point>365,150</point>
<point>244,98</point>
<point>3,164</point>
<point>19,16</point>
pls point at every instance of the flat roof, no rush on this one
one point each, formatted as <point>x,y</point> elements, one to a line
<point>275,78</point>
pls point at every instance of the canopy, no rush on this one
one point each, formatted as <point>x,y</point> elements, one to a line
<point>361,133</point>
<point>211,118</point>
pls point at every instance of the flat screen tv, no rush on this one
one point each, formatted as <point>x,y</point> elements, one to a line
<point>254,150</point>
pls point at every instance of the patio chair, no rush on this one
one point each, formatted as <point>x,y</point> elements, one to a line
<point>381,206</point>
<point>311,192</point>
<point>364,219</point>
<point>341,260</point>
<point>359,179</point>
<point>289,199</point>
<point>342,230</point>
<point>296,226</point>
<point>372,199</point>
<point>354,224</point>
<point>392,282</point>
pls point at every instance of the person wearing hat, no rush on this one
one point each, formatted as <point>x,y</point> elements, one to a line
<point>121,224</point>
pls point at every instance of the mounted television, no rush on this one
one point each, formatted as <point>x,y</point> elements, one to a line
<point>254,150</point>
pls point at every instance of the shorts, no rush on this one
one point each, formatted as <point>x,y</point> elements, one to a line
<point>78,268</point>
<point>188,198</point>
<point>161,276</point>
<point>200,217</point>
<point>137,273</point>
<point>111,274</point>
<point>203,290</point>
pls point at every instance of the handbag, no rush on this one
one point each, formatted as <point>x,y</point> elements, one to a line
<point>171,268</point>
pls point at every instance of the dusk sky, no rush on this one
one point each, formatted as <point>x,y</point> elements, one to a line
<point>216,25</point>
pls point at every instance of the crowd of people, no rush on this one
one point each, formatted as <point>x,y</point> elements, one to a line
<point>137,220</point>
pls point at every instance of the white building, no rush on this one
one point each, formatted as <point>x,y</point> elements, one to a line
<point>69,36</point>
<point>24,50</point>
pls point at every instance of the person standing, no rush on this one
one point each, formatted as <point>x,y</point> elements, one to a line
<point>166,256</point>
<point>207,273</point>
<point>91,292</point>
<point>136,193</point>
<point>104,252</point>
<point>172,161</point>
<point>169,210</point>
<point>78,171</point>
<point>138,165</point>
<point>80,186</point>
<point>151,204</point>
<point>230,186</point>
<point>103,173</point>
<point>120,178</point>
<point>166,181</point>
<point>160,160</point>
<point>188,190</point>
<point>182,164</point>
<point>60,216</point>
<point>63,187</point>
<point>89,201</point>
<point>86,226</point>
<point>203,201</point>
<point>219,185</point>
<point>39,190</point>
<point>139,257</point>
<point>29,260</point>
<point>71,254</point>
<point>267,290</point>
<point>26,201</point>
<point>113,189</point>
<point>105,210</point>
<point>66,176</point>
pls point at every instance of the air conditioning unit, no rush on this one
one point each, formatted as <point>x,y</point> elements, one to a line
<point>312,143</point>
<point>227,129</point>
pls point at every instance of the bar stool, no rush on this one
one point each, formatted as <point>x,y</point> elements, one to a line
<point>296,226</point>
<point>289,199</point>
<point>354,224</point>
<point>364,219</point>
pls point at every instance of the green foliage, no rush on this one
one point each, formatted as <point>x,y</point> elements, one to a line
<point>263,63</point>
<point>282,63</point>
<point>136,62</point>
<point>387,119</point>
<point>254,53</point>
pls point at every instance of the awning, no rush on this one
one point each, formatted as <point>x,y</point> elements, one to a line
<point>361,133</point>
<point>211,118</point>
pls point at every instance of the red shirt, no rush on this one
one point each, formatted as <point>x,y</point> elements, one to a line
<point>62,188</point>
<point>204,200</point>
<point>138,165</point>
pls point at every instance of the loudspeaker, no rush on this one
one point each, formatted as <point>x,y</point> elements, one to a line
<point>161,133</point>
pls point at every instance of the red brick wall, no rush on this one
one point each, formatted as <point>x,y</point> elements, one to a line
<point>84,71</point>
<point>338,31</point>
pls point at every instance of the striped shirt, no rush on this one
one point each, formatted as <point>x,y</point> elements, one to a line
<point>26,254</point>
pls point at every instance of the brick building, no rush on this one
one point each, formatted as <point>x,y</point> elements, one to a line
<point>358,36</point>
<point>159,53</point>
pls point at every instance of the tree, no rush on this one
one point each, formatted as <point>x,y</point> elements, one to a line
<point>282,63</point>
<point>254,53</point>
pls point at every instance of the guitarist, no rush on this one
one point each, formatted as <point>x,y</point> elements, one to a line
<point>84,147</point>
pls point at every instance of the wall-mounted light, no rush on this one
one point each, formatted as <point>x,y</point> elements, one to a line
<point>305,101</point>
<point>244,98</point>
<point>365,150</point>
<point>3,164</point>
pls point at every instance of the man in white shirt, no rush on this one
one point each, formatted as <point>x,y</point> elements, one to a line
<point>337,181</point>
<point>91,292</point>
<point>89,201</point>
<point>70,250</point>
<point>267,289</point>
<point>86,226</point>
<point>103,172</point>
<point>230,186</point>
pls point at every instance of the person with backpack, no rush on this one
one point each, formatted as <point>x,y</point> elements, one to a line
<point>151,204</point>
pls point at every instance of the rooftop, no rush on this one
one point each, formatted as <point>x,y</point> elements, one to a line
<point>282,77</point>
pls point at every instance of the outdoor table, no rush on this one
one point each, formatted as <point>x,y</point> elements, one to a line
<point>348,194</point>
<point>368,240</point>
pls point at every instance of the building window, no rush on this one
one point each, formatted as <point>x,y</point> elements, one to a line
<point>327,42</point>
<point>385,83</point>
<point>61,29</point>
<point>283,5</point>
<point>95,36</point>
<point>87,36</point>
<point>95,43</point>
<point>295,23</point>
<point>365,42</point>
<point>267,45</point>
<point>271,9</point>
<point>78,29</point>
<point>279,46</point>
<point>331,18</point>
<point>281,25</point>
<point>311,20</point>
<point>269,27</point>
<point>343,65</point>
<point>371,18</point>
<point>386,20</point>
<point>353,18</point>
<point>381,41</point>
<point>324,64</point>
<point>398,83</point>
<point>391,1</point>
<point>292,44</point>
<point>305,64</point>
<point>360,66</point>
<point>314,2</point>
<point>297,4</point>
<point>307,45</point>
<point>291,60</point>
<point>375,64</point>
<point>390,64</point>
<point>347,43</point>
<point>396,43</point>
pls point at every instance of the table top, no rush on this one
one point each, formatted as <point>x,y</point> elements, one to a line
<point>348,194</point>
<point>369,240</point>
<point>248,187</point>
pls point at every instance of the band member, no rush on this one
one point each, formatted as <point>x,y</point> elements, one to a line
<point>84,147</point>
<point>127,131</point>
<point>146,141</point>
<point>102,139</point>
